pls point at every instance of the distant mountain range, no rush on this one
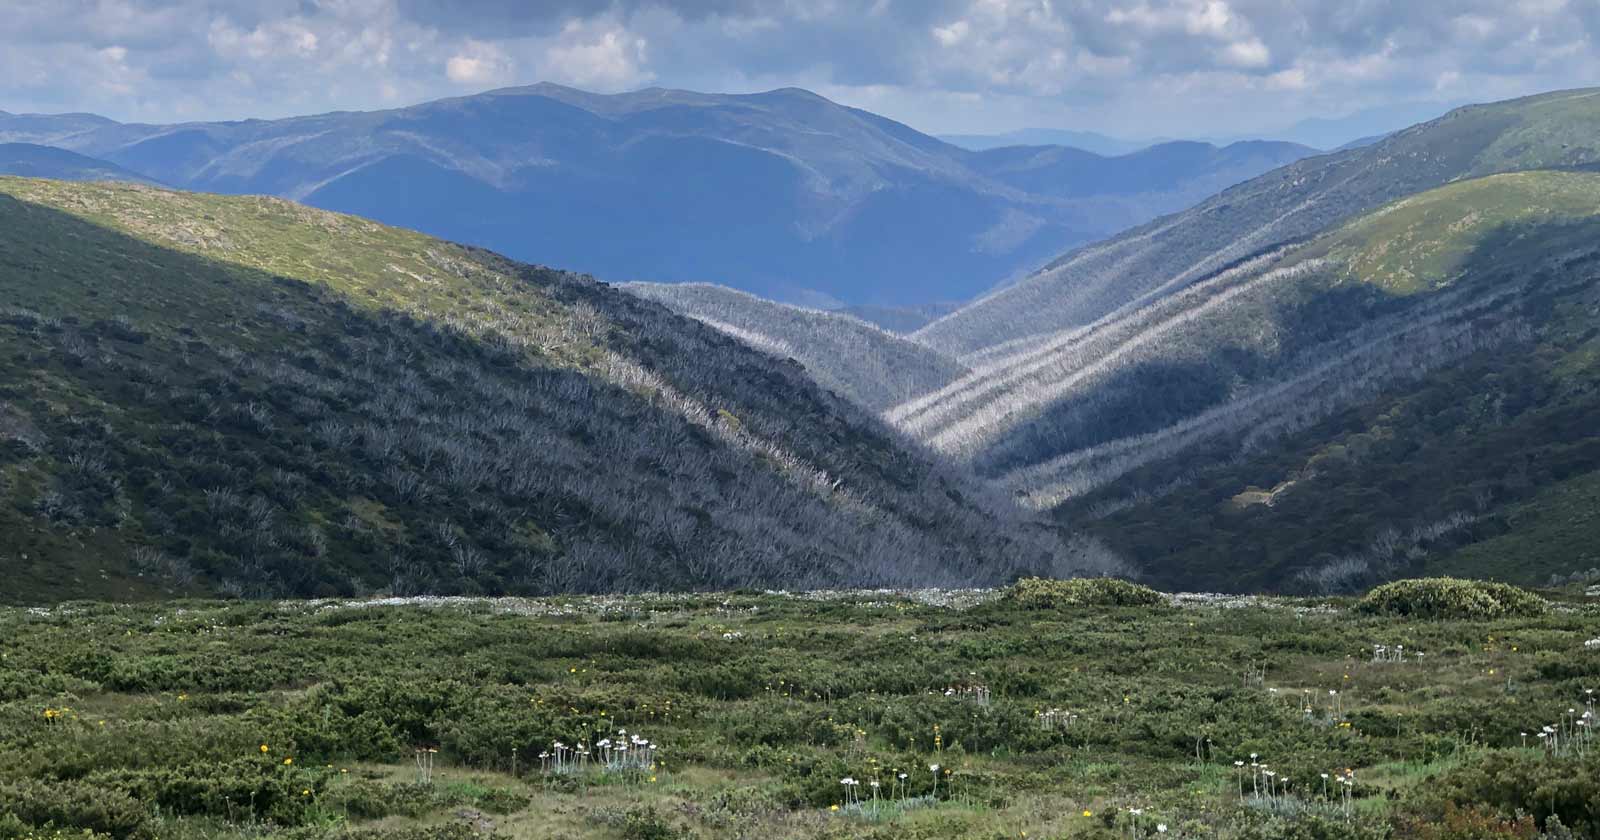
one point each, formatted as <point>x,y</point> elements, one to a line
<point>784,194</point>
<point>1361,126</point>
<point>1088,141</point>
<point>1329,133</point>
<point>30,160</point>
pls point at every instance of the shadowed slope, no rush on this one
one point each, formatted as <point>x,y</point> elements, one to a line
<point>874,368</point>
<point>247,395</point>
<point>1345,410</point>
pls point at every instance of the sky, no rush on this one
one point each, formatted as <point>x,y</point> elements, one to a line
<point>1131,68</point>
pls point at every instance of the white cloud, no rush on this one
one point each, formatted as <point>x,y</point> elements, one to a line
<point>1251,53</point>
<point>952,34</point>
<point>479,64</point>
<point>1144,66</point>
<point>605,57</point>
<point>1293,78</point>
<point>1212,18</point>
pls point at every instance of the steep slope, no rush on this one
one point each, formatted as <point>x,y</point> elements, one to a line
<point>899,320</point>
<point>1351,408</point>
<point>1169,254</point>
<point>871,367</point>
<point>784,194</point>
<point>203,393</point>
<point>29,160</point>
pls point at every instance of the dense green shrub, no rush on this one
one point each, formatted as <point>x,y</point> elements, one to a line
<point>1513,784</point>
<point>1044,594</point>
<point>371,800</point>
<point>368,799</point>
<point>12,828</point>
<point>1474,824</point>
<point>1451,598</point>
<point>646,824</point>
<point>71,805</point>
<point>1310,828</point>
<point>262,789</point>
<point>440,831</point>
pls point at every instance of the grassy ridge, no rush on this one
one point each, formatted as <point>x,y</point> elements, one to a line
<point>1301,200</point>
<point>240,393</point>
<point>202,719</point>
<point>1424,242</point>
<point>1359,406</point>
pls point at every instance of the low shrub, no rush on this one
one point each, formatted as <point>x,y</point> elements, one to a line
<point>1508,785</point>
<point>61,805</point>
<point>1046,594</point>
<point>257,789</point>
<point>647,824</point>
<point>12,828</point>
<point>1451,598</point>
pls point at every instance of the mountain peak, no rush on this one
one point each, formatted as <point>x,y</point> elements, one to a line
<point>780,192</point>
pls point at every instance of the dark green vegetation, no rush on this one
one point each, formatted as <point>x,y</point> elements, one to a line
<point>1049,594</point>
<point>1365,365</point>
<point>1423,399</point>
<point>244,395</point>
<point>204,720</point>
<point>1451,598</point>
<point>782,193</point>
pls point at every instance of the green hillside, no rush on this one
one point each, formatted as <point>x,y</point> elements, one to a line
<point>1292,203</point>
<point>1551,536</point>
<point>1425,242</point>
<point>1416,389</point>
<point>244,395</point>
